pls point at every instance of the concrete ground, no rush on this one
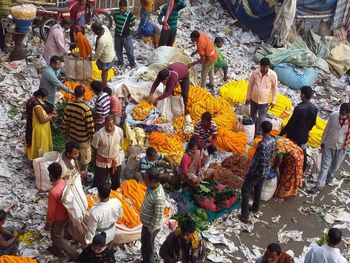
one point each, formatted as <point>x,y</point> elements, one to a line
<point>311,225</point>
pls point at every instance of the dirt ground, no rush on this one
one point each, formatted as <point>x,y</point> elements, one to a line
<point>311,225</point>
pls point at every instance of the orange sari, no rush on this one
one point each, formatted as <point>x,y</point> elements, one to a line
<point>291,169</point>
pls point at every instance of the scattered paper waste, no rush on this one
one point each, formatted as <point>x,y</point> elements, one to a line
<point>276,219</point>
<point>284,236</point>
<point>18,80</point>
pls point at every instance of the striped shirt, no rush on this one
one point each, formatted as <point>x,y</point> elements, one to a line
<point>122,23</point>
<point>102,107</point>
<point>152,208</point>
<point>174,15</point>
<point>146,164</point>
<point>78,121</point>
<point>205,134</point>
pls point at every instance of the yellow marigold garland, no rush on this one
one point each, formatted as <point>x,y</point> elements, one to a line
<point>141,111</point>
<point>235,92</point>
<point>178,124</point>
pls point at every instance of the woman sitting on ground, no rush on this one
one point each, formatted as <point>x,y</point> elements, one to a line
<point>38,129</point>
<point>190,169</point>
<point>289,166</point>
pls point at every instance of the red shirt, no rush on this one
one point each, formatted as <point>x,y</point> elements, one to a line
<point>55,209</point>
<point>186,163</point>
<point>78,15</point>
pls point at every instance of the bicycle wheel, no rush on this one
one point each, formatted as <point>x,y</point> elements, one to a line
<point>46,26</point>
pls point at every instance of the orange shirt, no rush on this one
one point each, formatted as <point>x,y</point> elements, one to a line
<point>205,47</point>
<point>55,209</point>
<point>260,87</point>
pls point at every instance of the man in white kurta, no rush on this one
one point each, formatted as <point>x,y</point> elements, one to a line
<point>328,253</point>
<point>104,215</point>
<point>107,143</point>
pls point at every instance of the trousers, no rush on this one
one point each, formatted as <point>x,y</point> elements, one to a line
<point>167,37</point>
<point>207,69</point>
<point>331,161</point>
<point>58,241</point>
<point>126,43</point>
<point>2,37</point>
<point>147,244</point>
<point>103,174</point>
<point>251,184</point>
<point>258,114</point>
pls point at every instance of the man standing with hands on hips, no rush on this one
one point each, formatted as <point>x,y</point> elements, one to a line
<point>262,83</point>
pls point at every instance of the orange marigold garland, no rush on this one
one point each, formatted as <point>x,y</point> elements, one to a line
<point>72,85</point>
<point>141,111</point>
<point>170,146</point>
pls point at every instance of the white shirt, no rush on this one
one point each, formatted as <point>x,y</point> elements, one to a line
<point>102,218</point>
<point>324,254</point>
<point>105,48</point>
<point>108,145</point>
<point>334,136</point>
<point>67,174</point>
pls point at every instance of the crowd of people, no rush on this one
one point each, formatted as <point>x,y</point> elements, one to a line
<point>94,136</point>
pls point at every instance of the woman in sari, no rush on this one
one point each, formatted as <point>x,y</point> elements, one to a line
<point>191,165</point>
<point>289,166</point>
<point>38,129</point>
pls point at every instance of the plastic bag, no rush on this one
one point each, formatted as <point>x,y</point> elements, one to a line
<point>40,165</point>
<point>318,162</point>
<point>148,29</point>
<point>296,77</point>
<point>250,132</point>
<point>269,188</point>
<point>177,106</point>
<point>275,121</point>
<point>77,69</point>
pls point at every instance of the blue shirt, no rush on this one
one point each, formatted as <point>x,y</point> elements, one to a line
<point>262,160</point>
<point>51,83</point>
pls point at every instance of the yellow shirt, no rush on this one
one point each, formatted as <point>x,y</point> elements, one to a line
<point>260,87</point>
<point>148,5</point>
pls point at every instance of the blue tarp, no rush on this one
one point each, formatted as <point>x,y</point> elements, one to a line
<point>261,23</point>
<point>260,20</point>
